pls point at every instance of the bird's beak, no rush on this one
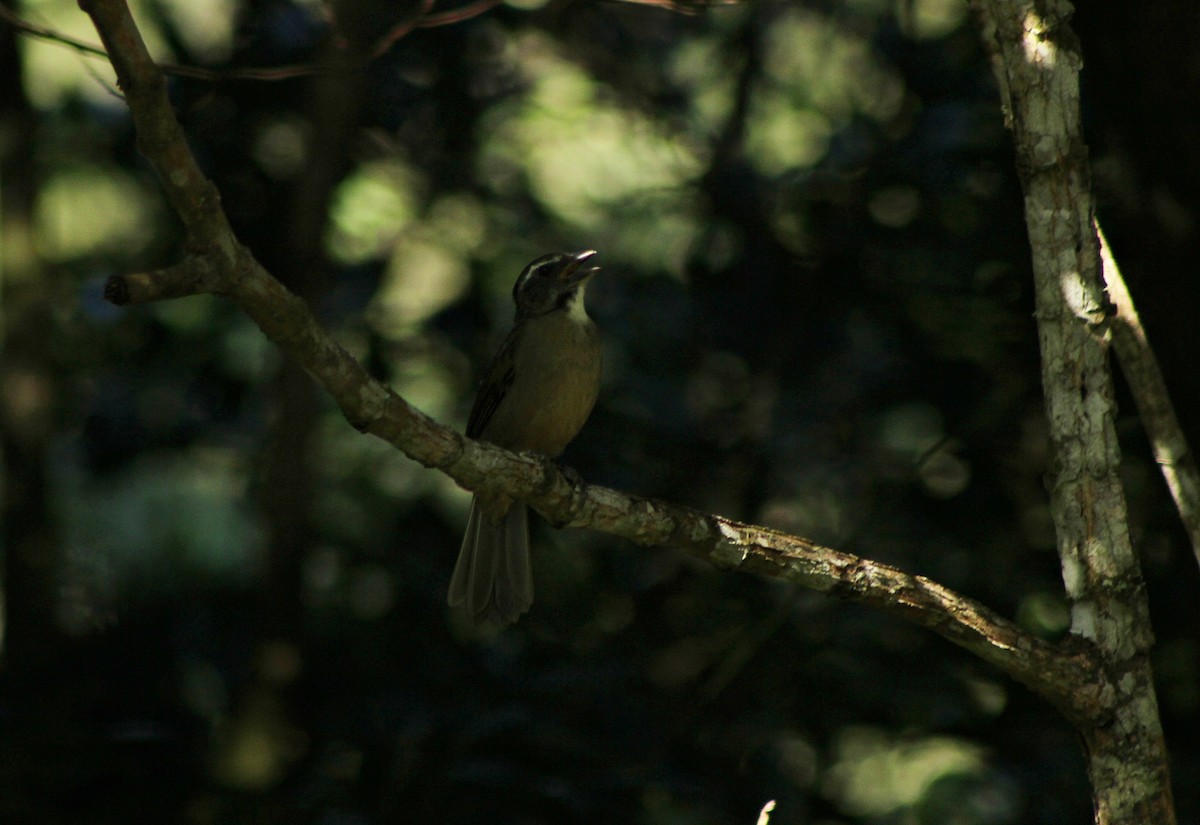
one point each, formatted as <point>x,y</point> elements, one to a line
<point>575,272</point>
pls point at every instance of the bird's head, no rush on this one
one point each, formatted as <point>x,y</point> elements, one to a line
<point>552,282</point>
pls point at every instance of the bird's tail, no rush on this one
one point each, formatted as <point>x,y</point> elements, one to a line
<point>493,576</point>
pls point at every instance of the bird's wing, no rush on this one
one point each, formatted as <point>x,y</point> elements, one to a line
<point>494,386</point>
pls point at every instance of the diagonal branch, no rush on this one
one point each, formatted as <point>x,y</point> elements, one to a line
<point>1141,370</point>
<point>1064,674</point>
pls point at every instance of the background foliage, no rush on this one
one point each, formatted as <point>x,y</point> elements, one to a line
<point>225,605</point>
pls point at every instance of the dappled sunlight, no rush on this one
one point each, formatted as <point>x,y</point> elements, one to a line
<point>168,518</point>
<point>26,401</point>
<point>911,440</point>
<point>369,210</point>
<point>944,473</point>
<point>875,773</point>
<point>423,277</point>
<point>425,378</point>
<point>20,260</point>
<point>820,64</point>
<point>930,19</point>
<point>782,137</point>
<point>895,206</point>
<point>818,74</point>
<point>54,74</point>
<point>1081,298</point>
<point>700,66</point>
<point>598,167</point>
<point>1044,613</point>
<point>252,756</point>
<point>191,316</point>
<point>798,760</point>
<point>458,221</point>
<point>428,268</point>
<point>206,26</point>
<point>91,210</point>
<point>281,146</point>
<point>244,352</point>
<point>256,742</point>
<point>988,694</point>
<point>1038,43</point>
<point>908,431</point>
<point>346,462</point>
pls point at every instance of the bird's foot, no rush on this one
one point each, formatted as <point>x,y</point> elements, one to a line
<point>578,491</point>
<point>571,474</point>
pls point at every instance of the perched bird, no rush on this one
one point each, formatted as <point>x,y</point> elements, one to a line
<point>535,396</point>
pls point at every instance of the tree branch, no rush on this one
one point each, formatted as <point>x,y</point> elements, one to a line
<point>1065,674</point>
<point>1149,389</point>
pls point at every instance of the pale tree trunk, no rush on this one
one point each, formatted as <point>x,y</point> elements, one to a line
<point>1037,60</point>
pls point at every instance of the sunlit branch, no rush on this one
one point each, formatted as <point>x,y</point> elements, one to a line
<point>1149,389</point>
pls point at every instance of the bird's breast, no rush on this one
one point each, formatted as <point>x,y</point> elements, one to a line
<point>556,378</point>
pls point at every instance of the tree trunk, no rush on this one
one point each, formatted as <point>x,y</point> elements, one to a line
<point>1037,60</point>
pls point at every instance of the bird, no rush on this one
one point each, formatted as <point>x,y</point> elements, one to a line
<point>535,396</point>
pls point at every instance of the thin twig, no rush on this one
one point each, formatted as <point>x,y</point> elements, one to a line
<point>425,19</point>
<point>466,12</point>
<point>45,33</point>
<point>398,32</point>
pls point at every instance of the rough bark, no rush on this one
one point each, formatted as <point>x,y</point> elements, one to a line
<point>1037,61</point>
